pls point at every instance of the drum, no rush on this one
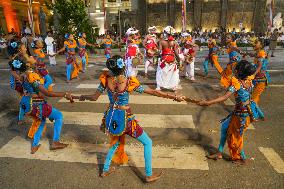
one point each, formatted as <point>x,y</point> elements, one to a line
<point>150,52</point>
<point>137,60</point>
<point>188,59</point>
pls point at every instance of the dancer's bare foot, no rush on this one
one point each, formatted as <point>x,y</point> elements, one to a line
<point>216,156</point>
<point>57,146</point>
<point>34,149</point>
<point>68,81</point>
<point>105,174</point>
<point>154,177</point>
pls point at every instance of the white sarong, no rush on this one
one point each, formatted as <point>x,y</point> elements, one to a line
<point>167,76</point>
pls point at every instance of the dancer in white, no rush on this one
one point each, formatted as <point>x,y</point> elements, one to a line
<point>133,55</point>
<point>189,52</point>
<point>49,41</point>
<point>168,69</point>
<point>151,48</point>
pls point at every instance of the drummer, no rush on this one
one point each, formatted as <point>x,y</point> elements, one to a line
<point>151,48</point>
<point>133,56</point>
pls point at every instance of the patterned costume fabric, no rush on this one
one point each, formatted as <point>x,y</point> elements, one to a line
<point>262,78</point>
<point>235,124</point>
<point>83,53</point>
<point>71,60</point>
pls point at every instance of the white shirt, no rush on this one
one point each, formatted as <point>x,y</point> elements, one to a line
<point>49,41</point>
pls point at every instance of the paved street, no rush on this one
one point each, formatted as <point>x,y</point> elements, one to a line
<point>182,135</point>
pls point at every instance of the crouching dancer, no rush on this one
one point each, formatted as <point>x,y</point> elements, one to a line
<point>245,112</point>
<point>118,120</point>
<point>34,103</point>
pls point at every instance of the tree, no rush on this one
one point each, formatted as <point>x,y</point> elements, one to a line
<point>72,17</point>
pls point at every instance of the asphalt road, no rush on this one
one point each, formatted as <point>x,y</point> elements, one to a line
<point>182,135</point>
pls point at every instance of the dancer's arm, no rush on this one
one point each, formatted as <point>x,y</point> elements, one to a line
<point>60,50</point>
<point>66,95</point>
<point>216,100</point>
<point>259,65</point>
<point>93,97</point>
<point>164,95</point>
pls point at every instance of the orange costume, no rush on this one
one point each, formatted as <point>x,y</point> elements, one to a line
<point>71,59</point>
<point>83,53</point>
<point>262,78</point>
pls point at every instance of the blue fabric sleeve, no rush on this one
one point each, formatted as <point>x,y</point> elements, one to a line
<point>232,89</point>
<point>101,88</point>
<point>140,89</point>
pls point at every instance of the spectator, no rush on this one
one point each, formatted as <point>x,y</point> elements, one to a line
<point>273,42</point>
<point>50,46</point>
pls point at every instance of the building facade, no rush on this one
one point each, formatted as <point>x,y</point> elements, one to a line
<point>14,14</point>
<point>203,14</point>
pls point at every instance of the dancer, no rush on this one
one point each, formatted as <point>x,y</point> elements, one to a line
<point>133,56</point>
<point>18,50</point>
<point>188,49</point>
<point>245,112</point>
<point>35,104</point>
<point>234,58</point>
<point>71,60</point>
<point>107,42</point>
<point>262,77</point>
<point>151,48</point>
<point>50,48</point>
<point>168,69</point>
<point>118,120</point>
<point>40,65</point>
<point>212,57</point>
<point>82,43</point>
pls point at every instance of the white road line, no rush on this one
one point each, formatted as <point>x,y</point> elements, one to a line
<point>229,102</point>
<point>3,114</point>
<point>138,69</point>
<point>197,69</point>
<point>276,85</point>
<point>273,158</point>
<point>4,69</point>
<point>134,99</point>
<point>87,86</point>
<point>251,127</point>
<point>52,84</point>
<point>89,66</point>
<point>145,120</point>
<point>190,157</point>
<point>275,70</point>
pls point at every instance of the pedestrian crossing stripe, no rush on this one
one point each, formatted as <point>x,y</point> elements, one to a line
<point>172,157</point>
<point>273,158</point>
<point>91,65</point>
<point>87,86</point>
<point>229,102</point>
<point>279,86</point>
<point>145,120</point>
<point>134,99</point>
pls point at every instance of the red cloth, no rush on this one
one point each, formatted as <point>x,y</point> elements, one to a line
<point>168,55</point>
<point>131,50</point>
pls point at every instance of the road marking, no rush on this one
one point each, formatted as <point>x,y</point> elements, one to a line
<point>52,84</point>
<point>275,70</point>
<point>4,69</point>
<point>87,86</point>
<point>4,113</point>
<point>138,69</point>
<point>134,99</point>
<point>273,158</point>
<point>251,127</point>
<point>190,157</point>
<point>229,102</point>
<point>275,85</point>
<point>197,69</point>
<point>89,66</point>
<point>145,120</point>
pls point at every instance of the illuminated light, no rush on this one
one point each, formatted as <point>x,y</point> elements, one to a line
<point>10,15</point>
